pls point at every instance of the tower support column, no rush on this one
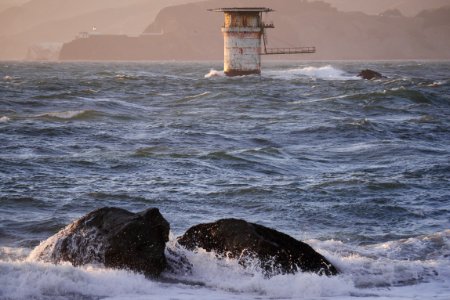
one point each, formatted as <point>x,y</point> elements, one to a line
<point>242,32</point>
<point>242,50</point>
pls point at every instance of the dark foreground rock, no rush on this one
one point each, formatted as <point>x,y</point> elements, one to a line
<point>276,252</point>
<point>114,237</point>
<point>370,74</point>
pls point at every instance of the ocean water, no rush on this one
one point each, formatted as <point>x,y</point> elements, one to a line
<point>358,169</point>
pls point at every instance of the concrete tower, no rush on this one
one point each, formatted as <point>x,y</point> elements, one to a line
<point>242,32</point>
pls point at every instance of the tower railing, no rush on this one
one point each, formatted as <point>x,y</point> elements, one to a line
<point>267,25</point>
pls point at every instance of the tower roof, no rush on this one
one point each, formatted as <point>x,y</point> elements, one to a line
<point>242,9</point>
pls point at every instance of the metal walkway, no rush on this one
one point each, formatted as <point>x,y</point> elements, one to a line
<point>298,50</point>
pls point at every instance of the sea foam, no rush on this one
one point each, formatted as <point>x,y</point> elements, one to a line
<point>68,115</point>
<point>326,73</point>
<point>214,73</point>
<point>4,119</point>
<point>378,271</point>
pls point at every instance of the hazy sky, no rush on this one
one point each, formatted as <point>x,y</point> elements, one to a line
<point>8,3</point>
<point>370,6</point>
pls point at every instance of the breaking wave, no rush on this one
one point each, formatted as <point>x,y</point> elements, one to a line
<point>387,270</point>
<point>4,119</point>
<point>214,73</point>
<point>395,265</point>
<point>326,73</point>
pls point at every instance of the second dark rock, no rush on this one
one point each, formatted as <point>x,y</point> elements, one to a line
<point>276,252</point>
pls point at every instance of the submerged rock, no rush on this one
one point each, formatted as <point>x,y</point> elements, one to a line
<point>114,237</point>
<point>276,252</point>
<point>370,74</point>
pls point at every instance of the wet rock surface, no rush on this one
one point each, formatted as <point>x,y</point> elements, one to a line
<point>276,252</point>
<point>370,74</point>
<point>117,238</point>
<point>114,237</point>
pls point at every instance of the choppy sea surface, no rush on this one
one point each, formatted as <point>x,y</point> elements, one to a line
<point>358,169</point>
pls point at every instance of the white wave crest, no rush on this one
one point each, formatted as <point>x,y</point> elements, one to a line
<point>228,275</point>
<point>214,73</point>
<point>13,254</point>
<point>4,119</point>
<point>384,270</point>
<point>437,83</point>
<point>398,263</point>
<point>326,73</point>
<point>87,245</point>
<point>34,280</point>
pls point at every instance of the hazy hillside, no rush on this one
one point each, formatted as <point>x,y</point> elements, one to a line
<point>40,21</point>
<point>197,32</point>
<point>375,7</point>
<point>4,4</point>
<point>17,19</point>
<point>191,33</point>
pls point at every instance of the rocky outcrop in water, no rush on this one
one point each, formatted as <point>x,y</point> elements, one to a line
<point>114,237</point>
<point>117,238</point>
<point>276,252</point>
<point>370,74</point>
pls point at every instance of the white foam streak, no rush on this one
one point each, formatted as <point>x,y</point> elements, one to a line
<point>214,73</point>
<point>64,114</point>
<point>187,98</point>
<point>437,83</point>
<point>326,73</point>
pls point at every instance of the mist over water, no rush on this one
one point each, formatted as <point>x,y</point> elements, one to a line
<point>358,169</point>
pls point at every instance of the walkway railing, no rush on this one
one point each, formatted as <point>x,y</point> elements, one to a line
<point>298,50</point>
